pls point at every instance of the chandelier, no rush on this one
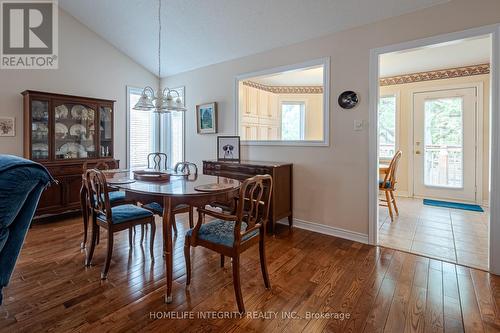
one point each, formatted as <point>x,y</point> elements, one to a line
<point>162,101</point>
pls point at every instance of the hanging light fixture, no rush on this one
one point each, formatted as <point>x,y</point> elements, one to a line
<point>162,101</point>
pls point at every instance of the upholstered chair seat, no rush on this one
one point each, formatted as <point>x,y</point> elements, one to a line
<point>222,232</point>
<point>125,213</point>
<point>382,184</point>
<point>158,208</point>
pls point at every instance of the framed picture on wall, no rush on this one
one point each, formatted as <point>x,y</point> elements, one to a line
<point>228,148</point>
<point>206,118</point>
<point>7,126</point>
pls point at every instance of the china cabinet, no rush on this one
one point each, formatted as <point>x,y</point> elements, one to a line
<point>63,132</point>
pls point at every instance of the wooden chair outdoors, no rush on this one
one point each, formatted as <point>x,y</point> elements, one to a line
<point>388,184</point>
<point>191,170</point>
<point>113,219</point>
<point>157,161</point>
<point>230,235</point>
<point>115,197</point>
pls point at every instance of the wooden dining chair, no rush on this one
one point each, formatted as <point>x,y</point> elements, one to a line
<point>157,161</point>
<point>388,184</point>
<point>230,235</point>
<point>190,169</point>
<point>115,197</point>
<point>113,219</point>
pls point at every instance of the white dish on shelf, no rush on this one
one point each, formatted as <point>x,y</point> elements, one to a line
<point>61,130</point>
<point>88,114</point>
<point>77,130</point>
<point>77,112</point>
<point>61,112</point>
<point>73,150</point>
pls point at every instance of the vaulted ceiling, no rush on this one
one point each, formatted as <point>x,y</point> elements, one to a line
<point>198,33</point>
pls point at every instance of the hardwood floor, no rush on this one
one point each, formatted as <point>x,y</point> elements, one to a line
<point>313,276</point>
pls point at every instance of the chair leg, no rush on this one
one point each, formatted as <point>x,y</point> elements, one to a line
<point>191,218</point>
<point>152,241</point>
<point>187,258</point>
<point>85,215</point>
<point>90,254</point>
<point>222,261</point>
<point>130,237</point>
<point>174,225</point>
<point>394,202</point>
<point>105,270</point>
<point>263,262</point>
<point>387,197</point>
<point>142,233</point>
<point>98,235</point>
<point>237,283</point>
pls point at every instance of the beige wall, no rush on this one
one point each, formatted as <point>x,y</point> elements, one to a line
<point>404,92</point>
<point>330,183</point>
<point>88,66</point>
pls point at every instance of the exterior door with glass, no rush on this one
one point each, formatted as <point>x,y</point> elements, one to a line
<point>444,147</point>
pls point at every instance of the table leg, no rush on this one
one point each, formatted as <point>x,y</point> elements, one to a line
<point>167,245</point>
<point>85,213</point>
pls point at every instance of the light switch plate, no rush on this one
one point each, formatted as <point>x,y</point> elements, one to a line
<point>358,125</point>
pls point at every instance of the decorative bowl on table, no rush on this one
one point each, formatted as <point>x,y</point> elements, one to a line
<point>151,175</point>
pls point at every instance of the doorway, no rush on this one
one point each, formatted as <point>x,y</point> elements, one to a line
<point>444,146</point>
<point>442,158</point>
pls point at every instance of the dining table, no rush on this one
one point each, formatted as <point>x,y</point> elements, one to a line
<point>194,190</point>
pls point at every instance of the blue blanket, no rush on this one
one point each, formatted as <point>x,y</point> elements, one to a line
<point>21,184</point>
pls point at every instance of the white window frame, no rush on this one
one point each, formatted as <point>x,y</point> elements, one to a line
<point>302,116</point>
<point>325,62</point>
<point>395,94</point>
<point>156,129</point>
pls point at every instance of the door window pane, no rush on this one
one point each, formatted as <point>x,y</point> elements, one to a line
<point>387,126</point>
<point>443,142</point>
<point>292,121</point>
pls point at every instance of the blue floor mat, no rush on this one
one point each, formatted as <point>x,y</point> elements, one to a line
<point>454,205</point>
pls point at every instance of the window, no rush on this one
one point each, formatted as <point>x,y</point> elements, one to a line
<point>173,133</point>
<point>142,131</point>
<point>292,121</point>
<point>387,126</point>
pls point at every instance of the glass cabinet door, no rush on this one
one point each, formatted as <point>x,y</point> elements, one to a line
<point>106,130</point>
<point>74,131</point>
<point>39,130</point>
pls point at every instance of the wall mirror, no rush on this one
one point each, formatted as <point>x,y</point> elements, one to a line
<point>284,106</point>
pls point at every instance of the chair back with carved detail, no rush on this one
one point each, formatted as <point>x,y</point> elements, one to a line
<point>253,204</point>
<point>187,167</point>
<point>390,176</point>
<point>157,161</point>
<point>98,189</point>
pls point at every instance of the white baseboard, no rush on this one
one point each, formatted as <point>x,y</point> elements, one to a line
<point>486,203</point>
<point>403,194</point>
<point>328,230</point>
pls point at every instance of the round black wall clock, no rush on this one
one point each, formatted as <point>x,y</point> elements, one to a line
<point>348,99</point>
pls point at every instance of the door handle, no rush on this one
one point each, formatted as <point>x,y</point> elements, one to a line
<point>417,152</point>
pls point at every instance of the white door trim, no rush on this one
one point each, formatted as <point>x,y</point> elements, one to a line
<point>479,86</point>
<point>494,225</point>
